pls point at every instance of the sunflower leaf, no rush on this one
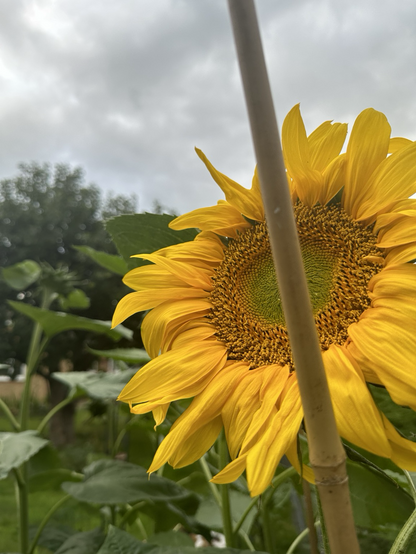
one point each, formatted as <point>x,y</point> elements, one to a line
<point>82,543</point>
<point>21,275</point>
<point>128,355</point>
<point>102,386</point>
<point>113,263</point>
<point>53,323</point>
<point>113,482</point>
<point>121,542</point>
<point>17,448</point>
<point>144,233</point>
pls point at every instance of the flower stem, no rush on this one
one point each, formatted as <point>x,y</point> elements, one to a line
<point>310,519</point>
<point>406,532</point>
<point>299,539</point>
<point>45,520</point>
<point>267,531</point>
<point>23,509</point>
<point>208,475</point>
<point>6,410</point>
<point>52,412</point>
<point>225,497</point>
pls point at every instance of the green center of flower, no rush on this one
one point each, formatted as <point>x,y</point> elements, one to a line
<point>247,310</point>
<point>259,289</point>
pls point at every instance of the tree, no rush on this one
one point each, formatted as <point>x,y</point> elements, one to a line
<point>44,211</point>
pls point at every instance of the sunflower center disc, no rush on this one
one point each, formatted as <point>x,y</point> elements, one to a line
<point>247,310</point>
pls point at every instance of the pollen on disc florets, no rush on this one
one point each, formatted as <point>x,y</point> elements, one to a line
<point>246,306</point>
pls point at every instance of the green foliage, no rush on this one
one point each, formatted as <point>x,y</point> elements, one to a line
<point>101,386</point>
<point>113,263</point>
<point>402,417</point>
<point>21,275</point>
<point>144,233</point>
<point>128,355</point>
<point>17,448</point>
<point>53,323</point>
<point>113,482</point>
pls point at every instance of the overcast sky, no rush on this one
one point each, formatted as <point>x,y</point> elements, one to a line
<point>127,89</point>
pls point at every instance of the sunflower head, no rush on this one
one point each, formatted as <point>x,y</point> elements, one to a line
<point>216,329</point>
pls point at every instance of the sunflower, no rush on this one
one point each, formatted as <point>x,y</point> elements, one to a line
<point>216,330</point>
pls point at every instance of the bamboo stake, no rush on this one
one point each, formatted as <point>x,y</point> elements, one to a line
<point>327,455</point>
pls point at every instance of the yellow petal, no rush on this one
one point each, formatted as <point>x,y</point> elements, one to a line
<point>146,299</point>
<point>223,219</point>
<point>292,456</point>
<point>383,342</point>
<point>401,254</point>
<point>273,383</point>
<point>242,199</point>
<point>296,152</point>
<point>397,143</point>
<point>395,211</point>
<point>199,251</point>
<point>151,277</point>
<point>175,375</point>
<point>367,148</point>
<point>166,317</point>
<point>334,179</point>
<point>394,179</point>
<point>403,450</point>
<point>265,456</point>
<point>204,408</point>
<point>195,446</point>
<point>195,277</point>
<point>231,472</point>
<point>358,418</point>
<point>325,144</point>
<point>159,414</point>
<point>400,232</point>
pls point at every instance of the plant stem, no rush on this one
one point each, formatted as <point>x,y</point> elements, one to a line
<point>299,539</point>
<point>208,475</point>
<point>324,534</point>
<point>310,519</point>
<point>6,410</point>
<point>267,532</point>
<point>327,456</point>
<point>225,497</point>
<point>242,519</point>
<point>23,509</point>
<point>52,412</point>
<point>45,520</point>
<point>129,512</point>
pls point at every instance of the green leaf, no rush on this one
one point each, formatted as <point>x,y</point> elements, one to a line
<point>376,500</point>
<point>120,542</point>
<point>402,417</point>
<point>82,543</point>
<point>103,386</point>
<point>21,275</point>
<point>53,323</point>
<point>171,538</point>
<point>76,299</point>
<point>113,263</point>
<point>52,479</point>
<point>128,355</point>
<point>144,233</point>
<point>113,482</point>
<point>209,512</point>
<point>17,448</point>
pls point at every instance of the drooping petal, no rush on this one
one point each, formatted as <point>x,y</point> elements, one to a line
<point>205,408</point>
<point>151,277</point>
<point>175,375</point>
<point>146,299</point>
<point>241,198</point>
<point>367,148</point>
<point>264,457</point>
<point>398,233</point>
<point>231,472</point>
<point>195,277</point>
<point>358,419</point>
<point>401,254</point>
<point>403,450</point>
<point>223,219</point>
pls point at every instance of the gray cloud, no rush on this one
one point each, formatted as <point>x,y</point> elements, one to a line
<point>127,90</point>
